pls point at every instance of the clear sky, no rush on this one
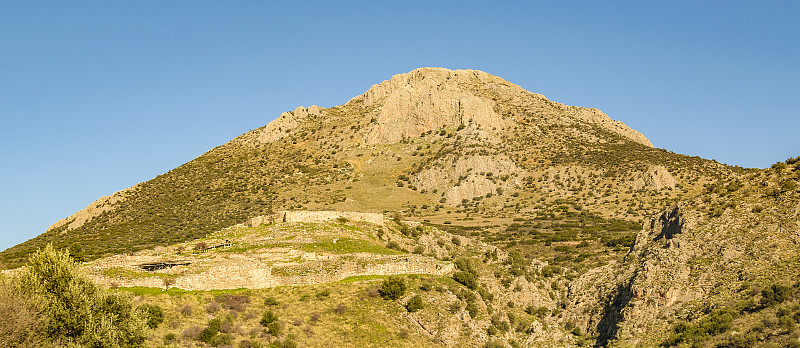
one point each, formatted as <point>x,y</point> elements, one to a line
<point>96,96</point>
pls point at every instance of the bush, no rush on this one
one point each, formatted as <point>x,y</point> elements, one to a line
<point>22,317</point>
<point>340,309</point>
<point>274,328</point>
<point>468,279</point>
<point>234,302</point>
<point>775,294</point>
<point>268,317</point>
<point>187,310</point>
<point>192,332</point>
<point>415,304</point>
<point>393,245</point>
<point>393,288</point>
<point>153,313</point>
<point>75,310</point>
<point>270,301</point>
<point>210,331</point>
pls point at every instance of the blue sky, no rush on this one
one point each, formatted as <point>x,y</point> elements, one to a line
<point>96,96</point>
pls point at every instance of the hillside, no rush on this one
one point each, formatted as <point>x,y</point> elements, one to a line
<point>509,220</point>
<point>462,146</point>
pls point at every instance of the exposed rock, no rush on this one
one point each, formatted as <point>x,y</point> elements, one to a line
<point>657,177</point>
<point>286,122</point>
<point>103,204</point>
<point>599,118</point>
<point>428,99</point>
<point>468,177</point>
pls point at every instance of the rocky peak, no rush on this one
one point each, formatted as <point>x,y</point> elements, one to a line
<point>425,99</point>
<point>428,99</point>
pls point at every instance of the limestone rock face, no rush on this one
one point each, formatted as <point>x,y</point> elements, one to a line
<point>657,177</point>
<point>286,122</point>
<point>101,205</point>
<point>428,99</point>
<point>597,117</point>
<point>469,177</point>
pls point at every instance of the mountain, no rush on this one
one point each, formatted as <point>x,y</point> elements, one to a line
<point>510,220</point>
<point>440,145</point>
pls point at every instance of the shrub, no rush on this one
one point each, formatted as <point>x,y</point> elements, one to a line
<point>274,328</point>
<point>192,332</point>
<point>393,288</point>
<point>270,301</point>
<point>75,310</point>
<point>415,304</point>
<point>466,278</point>
<point>22,317</point>
<point>323,294</point>
<point>268,317</point>
<point>340,309</point>
<point>775,294</point>
<point>234,302</point>
<point>210,331</point>
<point>472,309</point>
<point>393,245</point>
<point>187,310</point>
<point>200,246</point>
<point>76,252</point>
<point>213,307</point>
<point>153,313</point>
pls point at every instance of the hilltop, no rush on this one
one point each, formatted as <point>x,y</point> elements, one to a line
<point>461,146</point>
<point>510,220</point>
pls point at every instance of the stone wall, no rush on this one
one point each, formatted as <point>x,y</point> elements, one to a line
<point>252,274</point>
<point>315,216</point>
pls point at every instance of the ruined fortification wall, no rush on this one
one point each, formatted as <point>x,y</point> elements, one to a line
<point>315,216</point>
<point>252,274</point>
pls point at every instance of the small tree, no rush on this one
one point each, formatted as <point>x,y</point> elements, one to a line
<point>393,288</point>
<point>76,252</point>
<point>79,313</point>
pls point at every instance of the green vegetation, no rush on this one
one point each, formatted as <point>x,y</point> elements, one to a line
<point>69,309</point>
<point>415,304</point>
<point>393,288</point>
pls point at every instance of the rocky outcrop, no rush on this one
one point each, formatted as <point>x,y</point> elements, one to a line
<point>597,117</point>
<point>468,177</point>
<point>103,204</point>
<point>429,99</point>
<point>286,122</point>
<point>656,178</point>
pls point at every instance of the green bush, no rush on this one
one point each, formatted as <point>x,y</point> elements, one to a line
<point>415,304</point>
<point>775,294</point>
<point>270,301</point>
<point>468,279</point>
<point>211,330</point>
<point>153,313</point>
<point>393,288</point>
<point>268,317</point>
<point>76,311</point>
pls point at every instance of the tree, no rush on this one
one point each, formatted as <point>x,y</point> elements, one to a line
<point>76,251</point>
<point>77,311</point>
<point>393,288</point>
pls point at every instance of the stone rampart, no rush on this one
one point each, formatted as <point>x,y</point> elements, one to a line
<point>315,216</point>
<point>252,274</point>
